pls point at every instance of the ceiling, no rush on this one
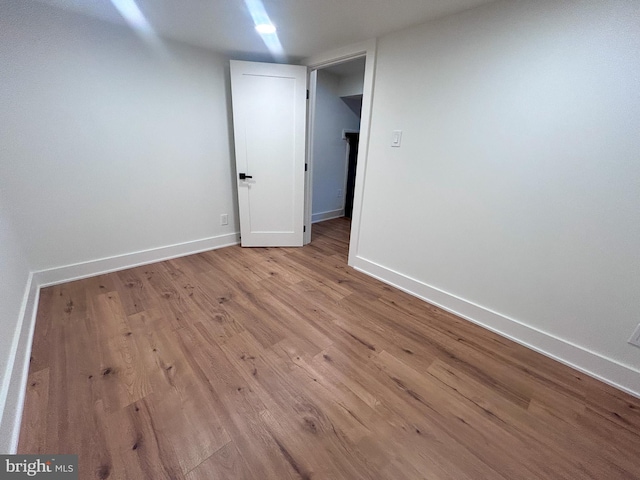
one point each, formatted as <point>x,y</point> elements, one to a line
<point>305,27</point>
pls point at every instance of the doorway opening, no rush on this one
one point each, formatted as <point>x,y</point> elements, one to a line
<point>353,139</point>
<point>335,119</point>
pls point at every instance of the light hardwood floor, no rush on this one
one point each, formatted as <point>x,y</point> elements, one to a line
<point>287,364</point>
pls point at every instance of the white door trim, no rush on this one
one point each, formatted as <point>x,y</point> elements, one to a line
<point>364,49</point>
<point>308,179</point>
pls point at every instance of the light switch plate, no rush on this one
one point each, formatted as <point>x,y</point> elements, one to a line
<point>635,337</point>
<point>396,139</point>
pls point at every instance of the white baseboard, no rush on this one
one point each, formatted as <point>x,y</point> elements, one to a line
<point>322,216</point>
<point>623,377</point>
<point>68,273</point>
<point>13,388</point>
<point>14,382</point>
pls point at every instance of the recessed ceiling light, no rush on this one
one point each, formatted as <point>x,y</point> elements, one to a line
<point>265,28</point>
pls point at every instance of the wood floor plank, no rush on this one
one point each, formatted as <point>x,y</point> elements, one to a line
<point>123,378</point>
<point>471,423</point>
<point>239,406</point>
<point>423,442</point>
<point>484,365</point>
<point>137,449</point>
<point>135,291</point>
<point>285,363</point>
<point>227,463</point>
<point>35,412</point>
<point>299,416</point>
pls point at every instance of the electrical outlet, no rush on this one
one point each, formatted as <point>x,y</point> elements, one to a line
<point>339,193</point>
<point>635,337</point>
<point>224,219</point>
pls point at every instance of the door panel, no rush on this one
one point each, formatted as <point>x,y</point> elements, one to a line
<point>269,115</point>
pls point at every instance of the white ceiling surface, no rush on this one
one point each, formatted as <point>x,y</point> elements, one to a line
<point>305,27</point>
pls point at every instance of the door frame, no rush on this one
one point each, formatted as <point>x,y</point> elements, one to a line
<point>351,52</point>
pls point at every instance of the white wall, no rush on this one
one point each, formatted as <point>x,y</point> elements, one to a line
<point>109,147</point>
<point>515,196</point>
<point>14,281</point>
<point>332,116</point>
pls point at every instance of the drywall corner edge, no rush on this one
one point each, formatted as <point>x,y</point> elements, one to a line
<point>607,370</point>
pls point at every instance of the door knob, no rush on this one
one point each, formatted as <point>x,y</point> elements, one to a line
<point>244,176</point>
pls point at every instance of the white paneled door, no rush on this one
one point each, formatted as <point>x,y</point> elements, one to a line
<point>269,124</point>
